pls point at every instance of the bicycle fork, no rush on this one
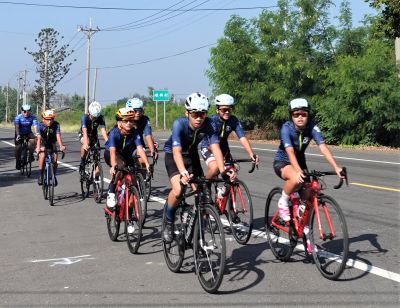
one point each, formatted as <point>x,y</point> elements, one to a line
<point>322,235</point>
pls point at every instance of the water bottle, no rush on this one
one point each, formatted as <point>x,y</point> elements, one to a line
<point>122,193</point>
<point>302,207</point>
<point>295,198</point>
<point>221,191</point>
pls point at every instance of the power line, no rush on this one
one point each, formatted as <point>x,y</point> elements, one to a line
<point>128,9</point>
<point>157,59</point>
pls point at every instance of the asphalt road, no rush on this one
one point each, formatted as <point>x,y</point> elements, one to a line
<point>62,256</point>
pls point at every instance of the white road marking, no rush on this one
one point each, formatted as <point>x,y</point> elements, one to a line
<point>258,233</point>
<point>65,261</point>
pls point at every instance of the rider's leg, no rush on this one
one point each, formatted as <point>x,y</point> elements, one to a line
<point>83,157</point>
<point>41,165</point>
<point>289,174</point>
<point>31,146</point>
<point>18,150</point>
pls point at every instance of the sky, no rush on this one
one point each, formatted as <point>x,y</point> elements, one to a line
<point>164,50</point>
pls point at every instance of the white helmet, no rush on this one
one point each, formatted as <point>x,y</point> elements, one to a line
<point>197,102</point>
<point>26,107</point>
<point>224,100</point>
<point>95,109</point>
<point>299,103</point>
<point>134,103</point>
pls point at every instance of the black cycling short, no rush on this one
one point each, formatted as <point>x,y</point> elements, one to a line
<point>30,136</point>
<point>107,159</point>
<point>192,165</point>
<point>278,165</point>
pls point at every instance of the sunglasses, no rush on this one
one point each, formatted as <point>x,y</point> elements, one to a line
<point>26,111</point>
<point>225,110</point>
<point>138,110</point>
<point>300,113</point>
<point>198,114</point>
<point>128,121</point>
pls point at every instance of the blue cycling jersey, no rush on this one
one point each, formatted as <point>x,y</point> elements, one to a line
<point>25,124</point>
<point>186,138</point>
<point>91,126</point>
<point>224,129</point>
<point>144,127</point>
<point>49,133</point>
<point>298,140</point>
<point>125,145</point>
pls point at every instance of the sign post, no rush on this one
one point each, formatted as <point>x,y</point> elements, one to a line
<point>160,96</point>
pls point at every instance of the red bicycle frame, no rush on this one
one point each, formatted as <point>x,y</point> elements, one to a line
<point>124,201</point>
<point>221,202</point>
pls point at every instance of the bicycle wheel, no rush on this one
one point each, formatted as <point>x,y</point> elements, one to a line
<point>142,193</point>
<point>133,224</point>
<point>113,224</point>
<point>86,178</point>
<point>23,159</point>
<point>148,189</point>
<point>331,251</point>
<point>29,165</point>
<point>240,214</point>
<point>279,240</point>
<point>98,184</point>
<point>174,252</point>
<point>45,188</point>
<point>209,249</point>
<point>50,184</point>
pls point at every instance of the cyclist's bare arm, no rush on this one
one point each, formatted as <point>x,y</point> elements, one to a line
<point>219,159</point>
<point>60,143</point>
<point>329,157</point>
<point>140,151</point>
<point>246,144</point>
<point>85,139</point>
<point>104,134</point>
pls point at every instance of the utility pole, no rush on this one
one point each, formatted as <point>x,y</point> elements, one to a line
<point>89,32</point>
<point>94,85</point>
<point>24,100</point>
<point>8,86</point>
<point>18,90</point>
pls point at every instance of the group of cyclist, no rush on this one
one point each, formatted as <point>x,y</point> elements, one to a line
<point>126,142</point>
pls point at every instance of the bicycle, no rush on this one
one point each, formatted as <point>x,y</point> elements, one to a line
<point>26,157</point>
<point>316,218</point>
<point>88,175</point>
<point>128,209</point>
<point>234,200</point>
<point>141,182</point>
<point>198,226</point>
<point>48,175</point>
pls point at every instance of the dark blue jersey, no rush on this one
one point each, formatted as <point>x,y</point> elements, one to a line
<point>224,129</point>
<point>187,139</point>
<point>49,133</point>
<point>91,126</point>
<point>298,140</point>
<point>25,124</point>
<point>125,145</point>
<point>144,128</point>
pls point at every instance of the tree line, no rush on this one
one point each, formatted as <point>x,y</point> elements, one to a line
<point>348,73</point>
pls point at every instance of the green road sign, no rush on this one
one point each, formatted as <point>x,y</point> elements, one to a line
<point>160,95</point>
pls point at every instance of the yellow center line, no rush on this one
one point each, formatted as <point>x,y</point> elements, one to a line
<point>376,187</point>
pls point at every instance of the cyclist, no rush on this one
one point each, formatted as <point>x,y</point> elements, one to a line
<point>142,124</point>
<point>224,123</point>
<point>88,132</point>
<point>182,159</point>
<point>122,144</point>
<point>290,161</point>
<point>23,129</point>
<point>48,135</point>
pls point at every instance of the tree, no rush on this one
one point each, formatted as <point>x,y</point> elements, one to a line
<point>389,21</point>
<point>51,64</point>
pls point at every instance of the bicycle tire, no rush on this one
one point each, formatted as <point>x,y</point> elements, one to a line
<point>148,189</point>
<point>98,187</point>
<point>142,193</point>
<point>209,264</point>
<point>50,184</point>
<point>23,159</point>
<point>280,242</point>
<point>133,218</point>
<point>330,253</point>
<point>241,222</point>
<point>29,167</point>
<point>174,252</point>
<point>113,225</point>
<point>86,179</point>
